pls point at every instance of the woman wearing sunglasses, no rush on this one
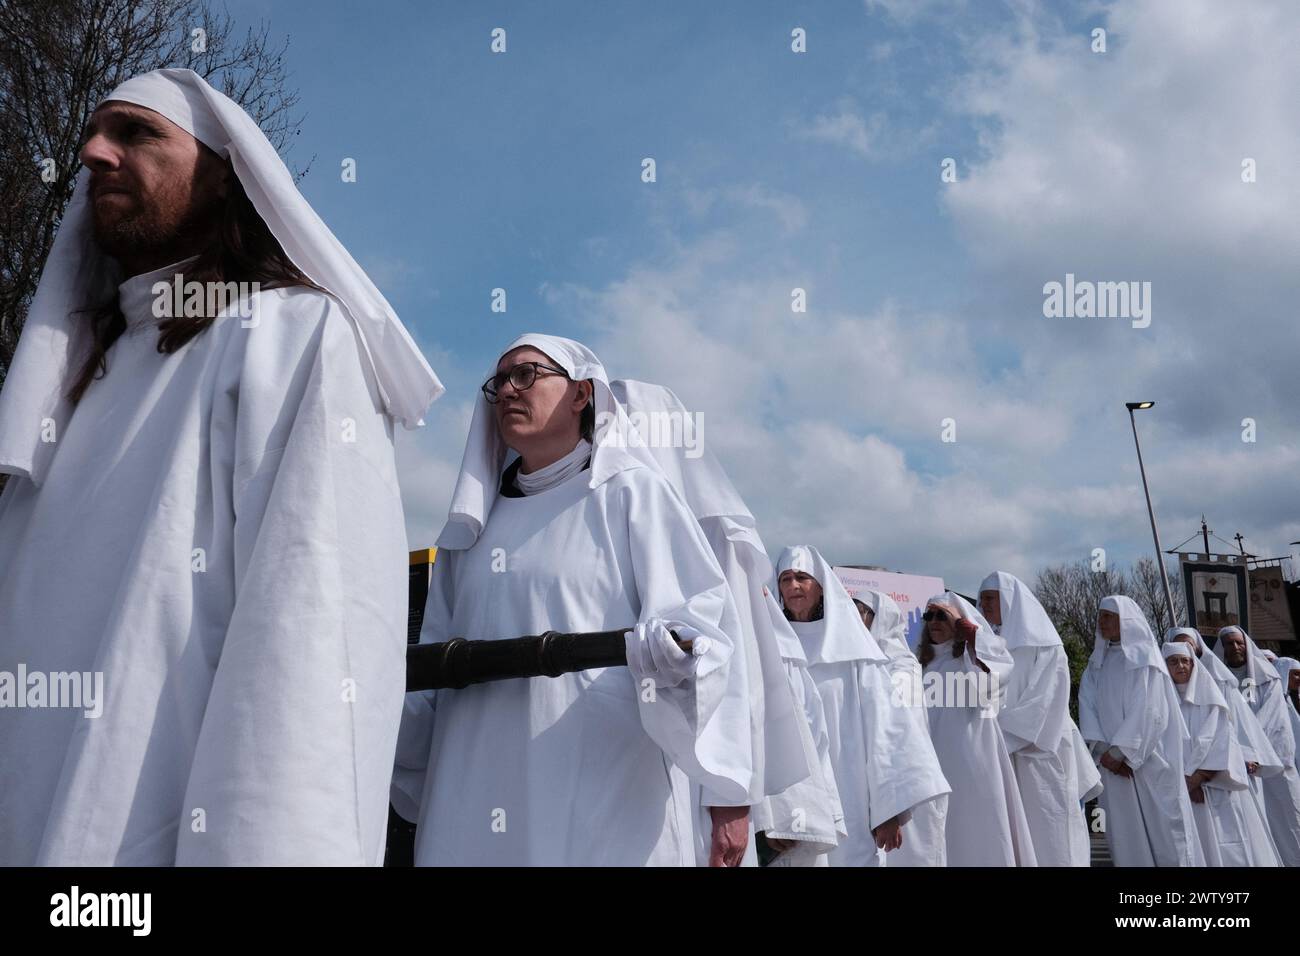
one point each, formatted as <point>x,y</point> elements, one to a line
<point>965,665</point>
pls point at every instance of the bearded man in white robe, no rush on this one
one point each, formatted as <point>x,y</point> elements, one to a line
<point>204,512</point>
<point>1265,692</point>
<point>884,764</point>
<point>561,520</point>
<point>1042,739</point>
<point>1227,821</point>
<point>1130,717</point>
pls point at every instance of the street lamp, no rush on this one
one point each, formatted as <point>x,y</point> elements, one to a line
<point>1160,555</point>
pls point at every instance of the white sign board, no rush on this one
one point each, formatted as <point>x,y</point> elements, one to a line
<point>909,591</point>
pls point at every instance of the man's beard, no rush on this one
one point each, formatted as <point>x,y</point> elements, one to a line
<point>147,234</point>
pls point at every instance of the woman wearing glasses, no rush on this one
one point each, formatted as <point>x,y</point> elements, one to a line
<point>561,520</point>
<point>966,666</point>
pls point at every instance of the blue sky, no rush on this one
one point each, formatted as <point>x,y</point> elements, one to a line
<point>821,170</point>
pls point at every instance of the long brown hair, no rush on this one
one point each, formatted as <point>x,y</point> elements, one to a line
<point>243,250</point>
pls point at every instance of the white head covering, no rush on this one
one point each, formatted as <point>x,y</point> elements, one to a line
<point>1268,655</point>
<point>1136,640</point>
<point>700,479</point>
<point>889,626</point>
<point>708,491</point>
<point>1200,687</point>
<point>78,275</point>
<point>990,648</point>
<point>779,727</point>
<point>1258,670</point>
<point>1250,733</point>
<point>617,446</point>
<point>840,635</point>
<point>1024,621</point>
<point>1284,666</point>
<point>1215,667</point>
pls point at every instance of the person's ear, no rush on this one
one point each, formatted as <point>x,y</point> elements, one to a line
<point>583,398</point>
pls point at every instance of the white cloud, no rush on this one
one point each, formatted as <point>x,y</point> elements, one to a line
<point>846,127</point>
<point>1122,166</point>
<point>1127,166</point>
<point>1140,146</point>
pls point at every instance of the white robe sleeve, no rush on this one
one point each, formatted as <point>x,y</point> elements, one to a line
<point>1255,746</point>
<point>1038,718</point>
<point>296,748</point>
<point>779,755</point>
<point>903,769</point>
<point>1210,746</point>
<point>1144,725</point>
<point>702,724</point>
<point>808,811</point>
<point>1275,722</point>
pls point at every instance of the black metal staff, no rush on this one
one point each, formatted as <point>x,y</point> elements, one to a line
<point>459,663</point>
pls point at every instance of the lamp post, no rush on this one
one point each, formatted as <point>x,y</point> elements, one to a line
<point>1160,555</point>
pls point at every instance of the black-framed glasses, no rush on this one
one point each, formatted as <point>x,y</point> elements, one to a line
<point>521,377</point>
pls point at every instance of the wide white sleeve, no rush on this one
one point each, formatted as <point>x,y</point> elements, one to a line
<point>1148,713</point>
<point>779,757</point>
<point>1037,718</point>
<point>1213,747</point>
<point>902,768</point>
<point>1255,745</point>
<point>1277,725</point>
<point>295,753</point>
<point>809,810</point>
<point>703,723</point>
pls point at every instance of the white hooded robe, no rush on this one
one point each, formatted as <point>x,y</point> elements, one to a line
<point>1042,739</point>
<point>884,765</point>
<point>782,753</point>
<point>1265,693</point>
<point>1128,702</point>
<point>986,823</point>
<point>218,533</point>
<point>580,769</point>
<point>1227,821</point>
<point>924,840</point>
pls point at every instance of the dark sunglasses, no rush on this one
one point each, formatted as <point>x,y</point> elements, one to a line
<point>521,377</point>
<point>936,616</point>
